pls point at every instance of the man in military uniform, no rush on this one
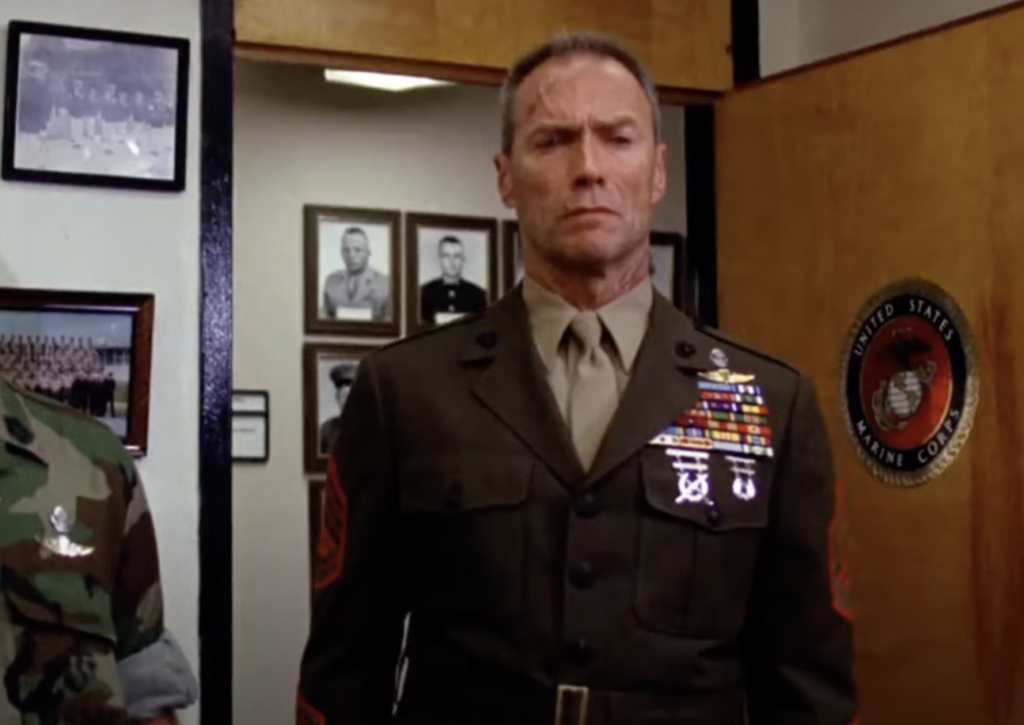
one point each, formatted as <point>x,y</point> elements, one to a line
<point>342,376</point>
<point>359,286</point>
<point>450,294</point>
<point>595,511</point>
<point>82,636</point>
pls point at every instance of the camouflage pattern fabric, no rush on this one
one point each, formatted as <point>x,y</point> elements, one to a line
<point>79,574</point>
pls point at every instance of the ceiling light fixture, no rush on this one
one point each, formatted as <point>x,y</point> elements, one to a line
<point>381,81</point>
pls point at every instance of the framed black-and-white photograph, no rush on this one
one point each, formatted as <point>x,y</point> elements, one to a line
<point>353,282</point>
<point>250,426</point>
<point>89,350</point>
<point>453,267</point>
<point>95,107</point>
<point>512,255</point>
<point>668,265</point>
<point>328,372</point>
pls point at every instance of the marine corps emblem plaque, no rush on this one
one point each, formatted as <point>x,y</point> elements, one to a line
<point>909,385</point>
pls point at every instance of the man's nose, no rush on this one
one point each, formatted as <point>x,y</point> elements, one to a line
<point>587,166</point>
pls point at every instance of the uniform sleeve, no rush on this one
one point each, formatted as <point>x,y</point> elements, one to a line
<point>798,644</point>
<point>154,672</point>
<point>138,599</point>
<point>349,664</point>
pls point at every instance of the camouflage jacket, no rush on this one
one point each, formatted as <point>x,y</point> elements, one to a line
<point>79,576</point>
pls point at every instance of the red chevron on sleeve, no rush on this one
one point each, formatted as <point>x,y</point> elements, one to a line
<point>330,551</point>
<point>839,574</point>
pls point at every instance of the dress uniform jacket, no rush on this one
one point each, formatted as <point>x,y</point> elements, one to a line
<point>543,593</point>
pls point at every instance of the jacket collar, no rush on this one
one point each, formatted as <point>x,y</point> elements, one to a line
<point>663,385</point>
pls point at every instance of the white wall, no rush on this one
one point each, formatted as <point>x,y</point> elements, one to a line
<point>101,239</point>
<point>831,27</point>
<point>797,32</point>
<point>297,141</point>
<point>780,35</point>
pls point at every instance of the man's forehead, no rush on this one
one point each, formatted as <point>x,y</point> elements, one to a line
<point>569,85</point>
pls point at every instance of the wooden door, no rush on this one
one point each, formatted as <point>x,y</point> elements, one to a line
<point>906,161</point>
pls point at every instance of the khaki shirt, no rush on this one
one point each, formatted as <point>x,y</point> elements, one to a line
<point>626,319</point>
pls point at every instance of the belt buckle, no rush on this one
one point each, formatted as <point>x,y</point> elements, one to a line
<point>572,703</point>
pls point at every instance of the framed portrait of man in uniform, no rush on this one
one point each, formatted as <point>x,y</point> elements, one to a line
<point>453,264</point>
<point>353,281</point>
<point>328,373</point>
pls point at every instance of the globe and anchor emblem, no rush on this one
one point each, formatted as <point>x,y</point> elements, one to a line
<point>898,398</point>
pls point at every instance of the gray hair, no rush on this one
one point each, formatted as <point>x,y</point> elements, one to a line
<point>564,45</point>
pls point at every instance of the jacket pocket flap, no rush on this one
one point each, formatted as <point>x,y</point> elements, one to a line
<point>706,495</point>
<point>456,485</point>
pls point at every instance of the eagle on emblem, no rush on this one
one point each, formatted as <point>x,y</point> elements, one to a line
<point>899,396</point>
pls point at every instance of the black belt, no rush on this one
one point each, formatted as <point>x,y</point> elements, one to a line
<point>455,700</point>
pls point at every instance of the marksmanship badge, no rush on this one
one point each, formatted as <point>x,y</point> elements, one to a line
<point>909,386</point>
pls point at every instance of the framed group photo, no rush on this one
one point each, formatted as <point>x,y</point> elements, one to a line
<point>353,272</point>
<point>328,371</point>
<point>95,107</point>
<point>453,267</point>
<point>89,350</point>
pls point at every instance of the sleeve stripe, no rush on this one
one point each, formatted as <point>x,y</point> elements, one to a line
<point>334,533</point>
<point>306,714</point>
<point>839,573</point>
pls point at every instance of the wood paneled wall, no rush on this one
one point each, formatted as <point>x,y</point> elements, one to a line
<point>685,42</point>
<point>904,161</point>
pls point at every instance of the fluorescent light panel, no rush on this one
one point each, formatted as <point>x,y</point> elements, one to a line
<point>381,81</point>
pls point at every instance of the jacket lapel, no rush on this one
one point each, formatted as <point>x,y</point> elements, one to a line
<point>512,385</point>
<point>662,386</point>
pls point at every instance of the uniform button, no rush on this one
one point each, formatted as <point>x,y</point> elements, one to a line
<point>714,515</point>
<point>579,650</point>
<point>453,496</point>
<point>581,575</point>
<point>487,339</point>
<point>685,349</point>
<point>587,506</point>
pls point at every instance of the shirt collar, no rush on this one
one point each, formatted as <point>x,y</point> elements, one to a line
<point>625,317</point>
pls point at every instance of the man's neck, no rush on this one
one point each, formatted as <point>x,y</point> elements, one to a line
<point>591,292</point>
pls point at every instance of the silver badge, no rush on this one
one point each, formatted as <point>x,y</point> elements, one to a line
<point>692,468</point>
<point>61,544</point>
<point>719,359</point>
<point>744,486</point>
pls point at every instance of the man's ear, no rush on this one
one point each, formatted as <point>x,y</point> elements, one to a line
<point>660,175</point>
<point>505,186</point>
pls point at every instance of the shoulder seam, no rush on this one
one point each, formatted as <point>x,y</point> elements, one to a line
<point>448,327</point>
<point>746,347</point>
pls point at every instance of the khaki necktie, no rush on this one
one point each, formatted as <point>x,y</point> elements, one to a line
<point>593,392</point>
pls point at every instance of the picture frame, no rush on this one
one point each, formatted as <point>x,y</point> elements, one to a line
<point>328,372</point>
<point>89,350</point>
<point>452,267</point>
<point>250,426</point>
<point>361,292</point>
<point>95,107</point>
<point>511,255</point>
<point>668,265</point>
